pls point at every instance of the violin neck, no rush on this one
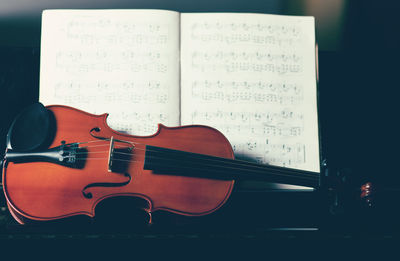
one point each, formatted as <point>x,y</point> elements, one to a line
<point>176,162</point>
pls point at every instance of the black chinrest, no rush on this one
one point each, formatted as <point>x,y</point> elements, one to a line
<point>32,129</point>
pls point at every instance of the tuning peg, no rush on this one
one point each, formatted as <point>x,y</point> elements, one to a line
<point>367,193</point>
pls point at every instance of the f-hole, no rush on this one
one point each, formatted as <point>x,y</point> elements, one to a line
<point>120,160</point>
<point>89,195</point>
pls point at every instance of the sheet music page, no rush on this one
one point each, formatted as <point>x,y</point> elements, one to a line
<point>253,77</point>
<point>123,62</point>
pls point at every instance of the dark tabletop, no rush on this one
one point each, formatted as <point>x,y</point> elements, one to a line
<point>358,113</point>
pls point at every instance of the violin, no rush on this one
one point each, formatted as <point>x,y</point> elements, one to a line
<point>188,170</point>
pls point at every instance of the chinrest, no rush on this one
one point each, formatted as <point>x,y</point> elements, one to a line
<point>32,129</point>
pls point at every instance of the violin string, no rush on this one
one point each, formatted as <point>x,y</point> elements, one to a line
<point>238,167</point>
<point>235,162</point>
<point>283,175</point>
<point>261,167</point>
<point>106,158</point>
<point>103,151</point>
<point>93,146</point>
<point>84,142</point>
<point>100,140</point>
<point>107,144</point>
<point>216,159</point>
<point>230,168</point>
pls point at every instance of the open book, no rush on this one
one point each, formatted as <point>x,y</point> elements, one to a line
<point>251,76</point>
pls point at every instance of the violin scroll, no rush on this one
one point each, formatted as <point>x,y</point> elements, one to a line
<point>367,192</point>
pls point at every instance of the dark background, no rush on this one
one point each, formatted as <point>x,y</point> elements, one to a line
<point>358,108</point>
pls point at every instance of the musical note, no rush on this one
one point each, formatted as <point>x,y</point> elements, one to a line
<point>249,76</point>
<point>251,33</point>
<point>112,61</point>
<point>246,61</point>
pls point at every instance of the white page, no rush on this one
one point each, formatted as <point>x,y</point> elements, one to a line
<point>123,62</point>
<point>253,77</point>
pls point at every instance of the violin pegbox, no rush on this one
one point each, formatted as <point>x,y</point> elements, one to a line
<point>367,192</point>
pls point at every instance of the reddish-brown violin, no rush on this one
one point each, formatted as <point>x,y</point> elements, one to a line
<point>187,170</point>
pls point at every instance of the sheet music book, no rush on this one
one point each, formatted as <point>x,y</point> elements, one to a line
<point>251,76</point>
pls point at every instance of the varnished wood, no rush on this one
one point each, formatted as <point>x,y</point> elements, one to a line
<point>47,191</point>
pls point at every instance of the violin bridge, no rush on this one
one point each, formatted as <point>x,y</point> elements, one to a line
<point>111,154</point>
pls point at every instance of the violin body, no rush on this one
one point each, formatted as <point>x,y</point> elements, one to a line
<point>47,191</point>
